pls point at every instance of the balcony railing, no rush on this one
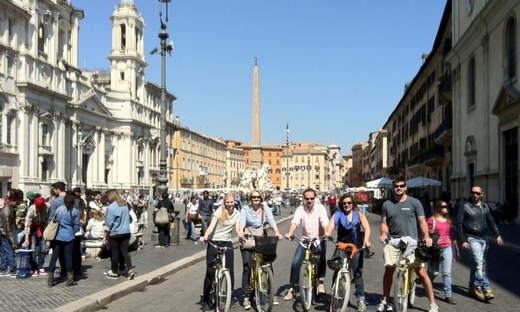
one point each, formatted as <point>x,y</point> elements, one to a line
<point>444,129</point>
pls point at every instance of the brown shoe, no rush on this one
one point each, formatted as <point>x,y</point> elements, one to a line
<point>450,300</point>
<point>477,293</point>
<point>488,295</point>
<point>321,289</point>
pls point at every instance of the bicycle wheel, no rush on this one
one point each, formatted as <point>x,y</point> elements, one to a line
<point>306,285</point>
<point>340,293</point>
<point>411,288</point>
<point>400,298</point>
<point>223,292</point>
<point>264,293</point>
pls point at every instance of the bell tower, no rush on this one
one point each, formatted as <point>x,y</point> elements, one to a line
<point>126,57</point>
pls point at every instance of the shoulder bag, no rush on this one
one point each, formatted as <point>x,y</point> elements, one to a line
<point>249,242</point>
<point>162,217</point>
<point>52,228</point>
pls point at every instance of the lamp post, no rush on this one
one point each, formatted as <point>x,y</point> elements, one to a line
<point>309,168</point>
<point>162,179</point>
<point>287,159</point>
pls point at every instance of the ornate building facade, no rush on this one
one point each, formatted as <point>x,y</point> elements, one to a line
<point>89,129</point>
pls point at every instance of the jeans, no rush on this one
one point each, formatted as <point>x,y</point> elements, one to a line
<point>39,253</point>
<point>297,261</point>
<point>164,235</point>
<point>277,210</point>
<point>190,228</point>
<point>206,220</point>
<point>247,262</point>
<point>7,255</point>
<point>210,272</point>
<point>433,270</point>
<point>478,276</point>
<point>356,269</point>
<point>119,248</point>
<point>65,250</point>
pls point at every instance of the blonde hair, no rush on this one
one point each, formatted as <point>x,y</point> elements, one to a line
<point>113,196</point>
<point>96,214</point>
<point>225,213</point>
<point>259,193</point>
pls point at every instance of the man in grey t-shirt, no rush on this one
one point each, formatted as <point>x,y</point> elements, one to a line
<point>399,218</point>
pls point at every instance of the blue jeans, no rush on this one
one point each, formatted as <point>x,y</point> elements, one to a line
<point>65,250</point>
<point>190,228</point>
<point>277,210</point>
<point>7,255</point>
<point>297,261</point>
<point>38,245</point>
<point>434,269</point>
<point>478,274</point>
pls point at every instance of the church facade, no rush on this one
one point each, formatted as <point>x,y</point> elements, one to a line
<point>58,123</point>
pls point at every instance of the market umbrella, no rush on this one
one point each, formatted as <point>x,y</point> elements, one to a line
<point>379,183</point>
<point>419,182</point>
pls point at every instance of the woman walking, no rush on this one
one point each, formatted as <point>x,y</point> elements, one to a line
<point>440,223</point>
<point>223,221</point>
<point>117,225</point>
<point>163,229</point>
<point>352,227</point>
<point>253,217</point>
<point>191,218</point>
<point>63,244</point>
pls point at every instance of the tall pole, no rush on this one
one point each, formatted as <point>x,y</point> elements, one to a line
<point>309,168</point>
<point>163,35</point>
<point>287,158</point>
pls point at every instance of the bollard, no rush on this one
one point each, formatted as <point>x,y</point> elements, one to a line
<point>174,228</point>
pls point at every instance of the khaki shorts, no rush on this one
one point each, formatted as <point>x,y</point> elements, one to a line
<point>391,255</point>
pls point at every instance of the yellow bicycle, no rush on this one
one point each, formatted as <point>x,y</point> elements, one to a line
<point>309,270</point>
<point>262,277</point>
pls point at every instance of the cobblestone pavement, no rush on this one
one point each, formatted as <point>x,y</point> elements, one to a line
<point>32,294</point>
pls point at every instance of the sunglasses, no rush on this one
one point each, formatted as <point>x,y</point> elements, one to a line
<point>309,198</point>
<point>256,197</point>
<point>443,206</point>
<point>399,185</point>
<point>476,193</point>
<point>347,203</point>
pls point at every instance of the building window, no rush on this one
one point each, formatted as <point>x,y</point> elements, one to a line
<point>41,38</point>
<point>44,134</point>
<point>8,135</point>
<point>472,83</point>
<point>10,65</point>
<point>511,49</point>
<point>1,121</point>
<point>10,27</point>
<point>123,36</point>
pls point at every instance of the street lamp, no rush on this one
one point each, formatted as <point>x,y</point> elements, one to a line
<point>165,48</point>
<point>287,159</point>
<point>309,168</point>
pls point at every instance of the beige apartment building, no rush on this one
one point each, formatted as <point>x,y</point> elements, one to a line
<point>200,161</point>
<point>235,164</point>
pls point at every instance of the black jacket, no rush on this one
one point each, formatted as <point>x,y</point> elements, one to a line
<point>206,207</point>
<point>473,221</point>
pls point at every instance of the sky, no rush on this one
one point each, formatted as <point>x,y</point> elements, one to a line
<point>333,69</point>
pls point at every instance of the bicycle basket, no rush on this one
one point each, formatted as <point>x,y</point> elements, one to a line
<point>334,263</point>
<point>216,263</point>
<point>268,258</point>
<point>422,254</point>
<point>266,244</point>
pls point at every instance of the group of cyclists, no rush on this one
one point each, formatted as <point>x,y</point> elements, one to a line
<point>402,216</point>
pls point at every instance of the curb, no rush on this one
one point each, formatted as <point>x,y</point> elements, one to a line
<point>102,298</point>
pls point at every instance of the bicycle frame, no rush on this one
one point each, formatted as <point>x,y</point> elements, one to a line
<point>404,290</point>
<point>221,271</point>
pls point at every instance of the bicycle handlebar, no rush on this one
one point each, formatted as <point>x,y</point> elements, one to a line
<point>306,243</point>
<point>220,248</point>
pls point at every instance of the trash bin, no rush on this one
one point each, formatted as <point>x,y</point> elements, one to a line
<point>175,221</point>
<point>24,267</point>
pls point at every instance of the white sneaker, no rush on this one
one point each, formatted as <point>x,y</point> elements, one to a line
<point>275,301</point>
<point>434,308</point>
<point>383,306</point>
<point>247,304</point>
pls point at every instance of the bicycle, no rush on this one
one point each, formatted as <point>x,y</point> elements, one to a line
<point>309,270</point>
<point>341,287</point>
<point>405,280</point>
<point>222,291</point>
<point>262,276</point>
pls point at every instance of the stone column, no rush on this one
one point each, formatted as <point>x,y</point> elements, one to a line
<point>256,149</point>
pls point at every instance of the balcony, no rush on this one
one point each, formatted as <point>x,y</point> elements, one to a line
<point>443,133</point>
<point>44,150</point>
<point>444,86</point>
<point>434,156</point>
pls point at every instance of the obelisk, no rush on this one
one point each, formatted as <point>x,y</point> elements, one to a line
<point>256,148</point>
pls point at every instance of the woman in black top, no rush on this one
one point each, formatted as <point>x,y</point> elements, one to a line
<point>163,229</point>
<point>352,227</point>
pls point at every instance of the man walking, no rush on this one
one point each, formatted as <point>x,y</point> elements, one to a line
<point>473,219</point>
<point>399,218</point>
<point>205,211</point>
<point>7,242</point>
<point>332,202</point>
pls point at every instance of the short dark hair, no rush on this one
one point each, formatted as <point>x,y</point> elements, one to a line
<point>77,190</point>
<point>399,179</point>
<point>58,185</point>
<point>310,190</point>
